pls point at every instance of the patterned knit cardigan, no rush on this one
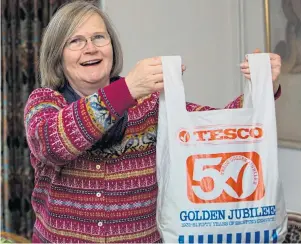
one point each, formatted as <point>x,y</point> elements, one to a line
<point>99,195</point>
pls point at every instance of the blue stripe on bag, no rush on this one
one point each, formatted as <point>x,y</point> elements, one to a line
<point>257,237</point>
<point>248,237</point>
<point>266,236</point>
<point>229,238</point>
<point>275,236</point>
<point>201,239</point>
<point>181,239</point>
<point>210,238</point>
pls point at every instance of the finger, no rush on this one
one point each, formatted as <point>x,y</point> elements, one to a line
<point>248,77</point>
<point>159,86</point>
<point>257,50</point>
<point>274,56</point>
<point>245,71</point>
<point>183,67</point>
<point>244,65</point>
<point>153,61</point>
<point>275,63</point>
<point>158,69</point>
<point>155,69</point>
<point>158,78</point>
<point>275,66</point>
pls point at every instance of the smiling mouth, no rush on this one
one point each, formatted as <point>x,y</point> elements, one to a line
<point>91,63</point>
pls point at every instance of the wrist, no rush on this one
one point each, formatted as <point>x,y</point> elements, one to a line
<point>117,97</point>
<point>132,90</point>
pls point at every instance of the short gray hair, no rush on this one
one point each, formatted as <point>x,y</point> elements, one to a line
<point>60,28</point>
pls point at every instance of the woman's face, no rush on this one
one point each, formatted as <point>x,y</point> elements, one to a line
<point>90,65</point>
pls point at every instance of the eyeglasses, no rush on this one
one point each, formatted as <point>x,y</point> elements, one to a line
<point>79,42</point>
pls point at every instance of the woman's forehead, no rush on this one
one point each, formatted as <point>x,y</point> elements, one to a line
<point>90,25</point>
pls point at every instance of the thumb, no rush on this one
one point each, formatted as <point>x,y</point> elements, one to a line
<point>257,50</point>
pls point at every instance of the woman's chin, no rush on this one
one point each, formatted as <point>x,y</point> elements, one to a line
<point>98,80</point>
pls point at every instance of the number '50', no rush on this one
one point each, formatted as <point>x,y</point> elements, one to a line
<point>224,177</point>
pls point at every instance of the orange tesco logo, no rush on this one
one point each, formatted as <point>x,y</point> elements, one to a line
<point>222,134</point>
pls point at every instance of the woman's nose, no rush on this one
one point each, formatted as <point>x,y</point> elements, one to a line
<point>90,47</point>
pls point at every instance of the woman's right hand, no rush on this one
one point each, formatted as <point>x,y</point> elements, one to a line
<point>145,78</point>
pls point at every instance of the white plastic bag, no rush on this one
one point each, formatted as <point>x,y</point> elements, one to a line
<point>217,170</point>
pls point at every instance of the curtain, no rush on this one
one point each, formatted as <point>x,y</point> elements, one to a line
<point>23,22</point>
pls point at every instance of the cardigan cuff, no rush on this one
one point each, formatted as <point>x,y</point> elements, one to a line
<point>117,97</point>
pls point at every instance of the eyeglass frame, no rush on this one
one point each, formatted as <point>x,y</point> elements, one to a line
<point>68,42</point>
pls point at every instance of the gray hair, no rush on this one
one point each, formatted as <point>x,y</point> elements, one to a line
<point>60,28</point>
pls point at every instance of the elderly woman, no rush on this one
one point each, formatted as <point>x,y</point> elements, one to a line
<point>92,134</point>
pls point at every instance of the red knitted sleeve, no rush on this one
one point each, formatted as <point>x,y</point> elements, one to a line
<point>237,103</point>
<point>58,132</point>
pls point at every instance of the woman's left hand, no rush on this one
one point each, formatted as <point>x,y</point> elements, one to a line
<point>275,68</point>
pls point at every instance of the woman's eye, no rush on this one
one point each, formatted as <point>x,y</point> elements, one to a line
<point>77,40</point>
<point>99,37</point>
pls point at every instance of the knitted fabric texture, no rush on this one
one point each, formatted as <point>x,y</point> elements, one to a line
<point>85,194</point>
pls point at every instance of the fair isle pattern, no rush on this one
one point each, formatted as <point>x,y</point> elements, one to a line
<point>97,113</point>
<point>238,103</point>
<point>101,195</point>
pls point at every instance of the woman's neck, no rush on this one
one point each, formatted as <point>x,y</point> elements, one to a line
<point>87,89</point>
